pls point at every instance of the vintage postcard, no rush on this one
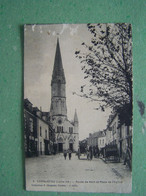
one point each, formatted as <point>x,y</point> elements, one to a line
<point>78,107</point>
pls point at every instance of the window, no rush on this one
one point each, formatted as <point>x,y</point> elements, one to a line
<point>31,124</point>
<point>59,129</point>
<point>70,129</point>
<point>45,133</point>
<point>40,131</point>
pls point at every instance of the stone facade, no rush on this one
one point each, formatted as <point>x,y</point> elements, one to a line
<point>119,133</point>
<point>125,139</point>
<point>111,131</point>
<point>39,136</point>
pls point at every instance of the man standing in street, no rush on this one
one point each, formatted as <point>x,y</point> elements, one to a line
<point>69,154</point>
<point>65,154</point>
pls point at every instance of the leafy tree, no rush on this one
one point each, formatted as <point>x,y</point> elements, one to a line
<point>107,64</point>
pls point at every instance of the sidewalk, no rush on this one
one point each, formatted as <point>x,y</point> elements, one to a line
<point>118,168</point>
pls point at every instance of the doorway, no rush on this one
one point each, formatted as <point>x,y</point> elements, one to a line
<point>41,148</point>
<point>60,147</point>
<point>71,146</point>
<point>46,147</point>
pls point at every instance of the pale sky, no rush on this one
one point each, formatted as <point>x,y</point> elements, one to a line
<point>39,52</point>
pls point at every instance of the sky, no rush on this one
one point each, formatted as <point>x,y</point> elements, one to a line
<point>39,52</point>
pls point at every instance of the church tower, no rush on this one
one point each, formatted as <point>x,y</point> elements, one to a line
<point>58,91</point>
<point>76,130</point>
<point>66,132</point>
<point>76,122</point>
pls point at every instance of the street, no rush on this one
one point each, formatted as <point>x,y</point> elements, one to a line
<point>54,173</point>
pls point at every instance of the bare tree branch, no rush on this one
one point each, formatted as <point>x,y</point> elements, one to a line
<point>107,64</point>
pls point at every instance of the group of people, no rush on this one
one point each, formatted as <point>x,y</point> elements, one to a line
<point>90,152</point>
<point>94,152</point>
<point>89,155</point>
<point>67,152</point>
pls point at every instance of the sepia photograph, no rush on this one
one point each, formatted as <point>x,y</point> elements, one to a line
<point>78,107</point>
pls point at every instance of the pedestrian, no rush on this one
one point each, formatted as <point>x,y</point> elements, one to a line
<point>97,152</point>
<point>69,154</point>
<point>78,153</point>
<point>91,154</point>
<point>88,155</point>
<point>65,154</point>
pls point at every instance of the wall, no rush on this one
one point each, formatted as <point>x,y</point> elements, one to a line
<point>44,127</point>
<point>101,142</point>
<point>13,15</point>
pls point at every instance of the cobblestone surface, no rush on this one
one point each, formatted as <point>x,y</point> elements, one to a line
<point>54,173</point>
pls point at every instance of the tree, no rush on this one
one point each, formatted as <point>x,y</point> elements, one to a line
<point>107,65</point>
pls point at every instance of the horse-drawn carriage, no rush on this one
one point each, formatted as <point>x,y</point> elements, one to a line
<point>85,153</point>
<point>82,154</point>
<point>111,153</point>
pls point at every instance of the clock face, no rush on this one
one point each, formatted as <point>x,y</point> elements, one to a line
<point>60,121</point>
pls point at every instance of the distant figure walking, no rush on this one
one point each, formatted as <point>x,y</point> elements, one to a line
<point>69,154</point>
<point>78,153</point>
<point>97,152</point>
<point>88,157</point>
<point>90,152</point>
<point>65,154</point>
<point>91,155</point>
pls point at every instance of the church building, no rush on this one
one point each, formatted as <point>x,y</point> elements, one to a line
<point>66,132</point>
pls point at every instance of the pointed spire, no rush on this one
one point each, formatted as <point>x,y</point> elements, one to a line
<point>76,117</point>
<point>58,71</point>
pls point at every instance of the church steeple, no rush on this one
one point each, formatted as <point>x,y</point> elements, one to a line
<point>58,71</point>
<point>58,89</point>
<point>75,117</point>
<point>66,132</point>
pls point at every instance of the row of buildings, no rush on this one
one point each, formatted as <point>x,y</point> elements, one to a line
<point>39,135</point>
<point>117,133</point>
